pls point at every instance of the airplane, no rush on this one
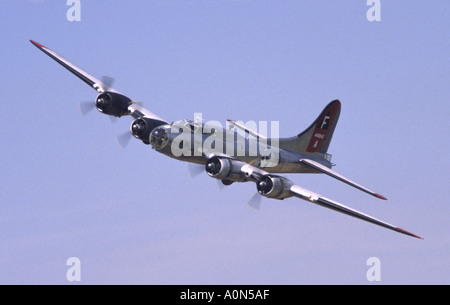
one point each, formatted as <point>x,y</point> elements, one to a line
<point>186,141</point>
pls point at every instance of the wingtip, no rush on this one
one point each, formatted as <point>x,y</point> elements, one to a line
<point>409,233</point>
<point>37,44</point>
<point>380,196</point>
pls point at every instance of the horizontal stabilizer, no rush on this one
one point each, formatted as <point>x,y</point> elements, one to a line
<point>246,129</point>
<point>323,169</point>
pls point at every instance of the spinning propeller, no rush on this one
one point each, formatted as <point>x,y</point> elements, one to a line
<point>88,106</point>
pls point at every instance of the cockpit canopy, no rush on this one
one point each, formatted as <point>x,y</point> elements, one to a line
<point>194,126</point>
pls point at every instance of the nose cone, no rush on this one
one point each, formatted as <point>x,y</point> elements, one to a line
<point>103,102</point>
<point>138,128</point>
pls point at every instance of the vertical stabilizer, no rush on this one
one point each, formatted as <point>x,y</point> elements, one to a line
<point>317,137</point>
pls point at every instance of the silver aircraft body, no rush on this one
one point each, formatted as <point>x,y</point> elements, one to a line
<point>236,153</point>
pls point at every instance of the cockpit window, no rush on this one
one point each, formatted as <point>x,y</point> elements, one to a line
<point>194,126</point>
<point>187,125</point>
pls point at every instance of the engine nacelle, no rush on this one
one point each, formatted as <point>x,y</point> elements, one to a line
<point>112,103</point>
<point>225,169</point>
<point>274,187</point>
<point>142,127</point>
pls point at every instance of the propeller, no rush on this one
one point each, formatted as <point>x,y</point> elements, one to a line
<point>107,82</point>
<point>113,119</point>
<point>88,106</point>
<point>195,169</point>
<point>255,201</point>
<point>124,139</point>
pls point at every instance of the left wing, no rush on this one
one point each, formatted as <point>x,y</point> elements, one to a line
<point>278,187</point>
<point>93,82</point>
<point>134,109</point>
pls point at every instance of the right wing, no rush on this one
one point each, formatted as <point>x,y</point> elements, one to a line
<point>278,187</point>
<point>305,194</point>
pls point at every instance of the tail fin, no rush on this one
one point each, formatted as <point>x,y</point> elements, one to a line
<point>317,137</point>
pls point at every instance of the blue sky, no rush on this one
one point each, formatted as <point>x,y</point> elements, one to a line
<point>136,217</point>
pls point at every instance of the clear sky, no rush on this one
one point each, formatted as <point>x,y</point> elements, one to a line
<point>136,217</point>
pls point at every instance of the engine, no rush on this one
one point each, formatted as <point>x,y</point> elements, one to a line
<point>274,187</point>
<point>225,169</point>
<point>142,127</point>
<point>112,103</point>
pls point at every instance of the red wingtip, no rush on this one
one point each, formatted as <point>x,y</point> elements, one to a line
<point>409,233</point>
<point>381,197</point>
<point>37,44</point>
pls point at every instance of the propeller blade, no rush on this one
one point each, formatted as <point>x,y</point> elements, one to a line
<point>86,107</point>
<point>107,82</point>
<point>113,119</point>
<point>195,169</point>
<point>255,201</point>
<point>124,139</point>
<point>220,184</point>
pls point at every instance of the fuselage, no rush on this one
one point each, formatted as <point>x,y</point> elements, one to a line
<point>195,142</point>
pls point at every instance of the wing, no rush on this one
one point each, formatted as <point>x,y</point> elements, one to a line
<point>305,194</point>
<point>278,187</point>
<point>138,111</point>
<point>134,109</point>
<point>323,169</point>
<point>93,82</point>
